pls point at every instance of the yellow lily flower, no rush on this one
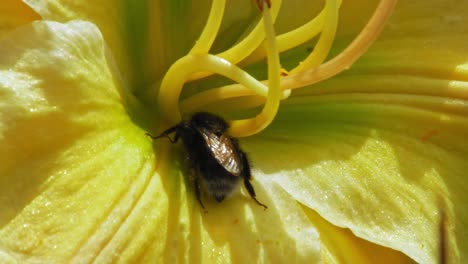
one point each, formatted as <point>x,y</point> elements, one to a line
<point>366,166</point>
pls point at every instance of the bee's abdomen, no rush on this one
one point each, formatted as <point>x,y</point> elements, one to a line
<point>220,186</point>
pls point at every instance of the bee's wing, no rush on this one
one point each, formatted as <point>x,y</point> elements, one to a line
<point>223,151</point>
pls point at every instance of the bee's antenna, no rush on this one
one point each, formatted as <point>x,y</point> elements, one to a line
<point>166,134</point>
<point>173,140</point>
<point>156,137</point>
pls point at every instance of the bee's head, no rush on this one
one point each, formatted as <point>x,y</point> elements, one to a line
<point>209,121</point>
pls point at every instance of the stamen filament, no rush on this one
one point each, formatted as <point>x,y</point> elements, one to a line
<point>248,127</point>
<point>181,70</point>
<point>325,42</point>
<point>199,100</point>
<point>295,37</point>
<point>348,56</point>
<point>339,63</point>
<point>246,46</point>
<point>210,31</point>
<point>252,41</point>
<point>301,34</point>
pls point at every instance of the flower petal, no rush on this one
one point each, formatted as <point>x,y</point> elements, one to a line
<point>146,37</point>
<point>381,149</point>
<point>340,245</point>
<point>76,177</point>
<point>377,167</point>
<point>234,231</point>
<point>78,181</point>
<point>107,15</point>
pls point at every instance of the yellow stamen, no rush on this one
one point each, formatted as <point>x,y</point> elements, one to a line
<point>182,69</point>
<point>247,127</point>
<point>341,62</point>
<point>211,28</point>
<point>229,91</point>
<point>347,57</point>
<point>252,41</point>
<point>323,46</point>
<point>294,38</point>
<point>200,62</point>
<point>246,46</point>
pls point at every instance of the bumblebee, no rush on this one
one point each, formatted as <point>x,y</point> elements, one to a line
<point>214,157</point>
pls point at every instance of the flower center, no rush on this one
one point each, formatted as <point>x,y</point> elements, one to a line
<point>262,42</point>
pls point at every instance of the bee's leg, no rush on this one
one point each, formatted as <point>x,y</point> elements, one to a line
<point>166,134</point>
<point>251,191</point>
<point>247,176</point>
<point>176,138</point>
<point>194,175</point>
<point>197,194</point>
